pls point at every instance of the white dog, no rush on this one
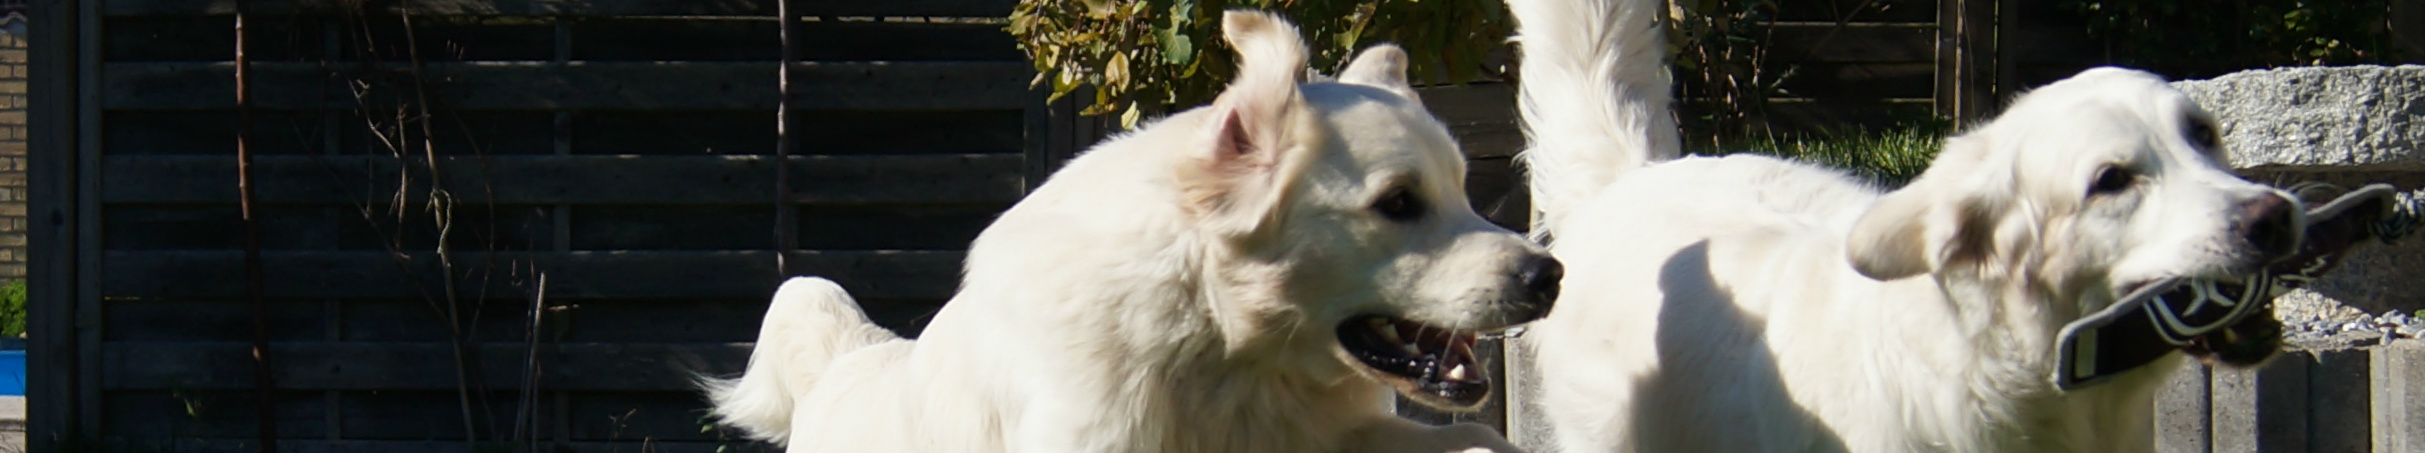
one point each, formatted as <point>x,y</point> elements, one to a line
<point>1749,304</point>
<point>1252,276</point>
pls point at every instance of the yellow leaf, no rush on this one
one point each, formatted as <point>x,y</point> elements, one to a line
<point>1115,72</point>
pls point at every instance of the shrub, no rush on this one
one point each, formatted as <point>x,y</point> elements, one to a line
<point>1142,55</point>
<point>2205,38</point>
<point>12,309</point>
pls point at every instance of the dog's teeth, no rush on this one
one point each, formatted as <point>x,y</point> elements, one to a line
<point>1410,347</point>
<point>1457,372</point>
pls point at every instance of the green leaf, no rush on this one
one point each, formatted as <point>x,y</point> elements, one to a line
<point>1115,72</point>
<point>1178,49</point>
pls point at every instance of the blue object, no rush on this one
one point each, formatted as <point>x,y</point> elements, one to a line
<point>12,373</point>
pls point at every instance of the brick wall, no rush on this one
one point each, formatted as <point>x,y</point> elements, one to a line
<point>12,156</point>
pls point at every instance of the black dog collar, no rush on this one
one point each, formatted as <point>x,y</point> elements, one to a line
<point>2167,315</point>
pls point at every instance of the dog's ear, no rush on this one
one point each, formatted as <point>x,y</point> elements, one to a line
<point>1941,219</point>
<point>1381,66</point>
<point>1233,179</point>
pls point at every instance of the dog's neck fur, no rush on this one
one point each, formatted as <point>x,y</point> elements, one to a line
<point>1999,315</point>
<point>1163,374</point>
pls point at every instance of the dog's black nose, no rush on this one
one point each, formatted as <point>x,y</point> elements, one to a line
<point>2268,224</point>
<point>1540,277</point>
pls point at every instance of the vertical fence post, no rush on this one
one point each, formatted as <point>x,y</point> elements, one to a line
<point>53,124</point>
<point>1966,58</point>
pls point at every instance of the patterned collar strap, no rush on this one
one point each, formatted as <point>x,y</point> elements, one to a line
<point>2172,314</point>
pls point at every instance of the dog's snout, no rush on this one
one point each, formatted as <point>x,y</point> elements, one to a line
<point>2270,224</point>
<point>1540,276</point>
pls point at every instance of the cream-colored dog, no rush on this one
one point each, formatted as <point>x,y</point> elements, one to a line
<point>1749,304</point>
<point>1251,276</point>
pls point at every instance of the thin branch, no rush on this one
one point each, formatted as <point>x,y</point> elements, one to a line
<point>267,411</point>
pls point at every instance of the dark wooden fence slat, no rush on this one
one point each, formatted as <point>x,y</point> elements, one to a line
<point>884,274</point>
<point>886,8</point>
<point>912,85</point>
<point>397,366</point>
<point>911,179</point>
<point>1482,116</point>
<point>1837,82</point>
<point>1858,10</point>
<point>427,446</point>
<point>922,85</point>
<point>1854,43</point>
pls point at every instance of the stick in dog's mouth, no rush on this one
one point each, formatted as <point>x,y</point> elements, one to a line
<point>1433,365</point>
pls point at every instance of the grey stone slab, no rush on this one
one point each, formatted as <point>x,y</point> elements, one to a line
<point>2262,409</point>
<point>2235,410</point>
<point>2184,414</point>
<point>2350,117</point>
<point>1527,424</point>
<point>2398,386</point>
<point>2338,419</point>
<point>2283,408</point>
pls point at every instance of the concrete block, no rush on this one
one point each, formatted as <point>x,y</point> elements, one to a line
<point>2262,409</point>
<point>1527,424</point>
<point>2184,414</point>
<point>2338,415</point>
<point>2347,118</point>
<point>2397,382</point>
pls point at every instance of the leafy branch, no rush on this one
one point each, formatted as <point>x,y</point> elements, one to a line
<point>1140,56</point>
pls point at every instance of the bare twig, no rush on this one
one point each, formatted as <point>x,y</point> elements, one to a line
<point>783,142</point>
<point>267,411</point>
<point>441,207</point>
<point>525,416</point>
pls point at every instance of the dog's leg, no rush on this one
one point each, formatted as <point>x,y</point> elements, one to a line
<point>1398,435</point>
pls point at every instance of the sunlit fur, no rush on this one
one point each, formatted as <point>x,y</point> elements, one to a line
<point>1750,304</point>
<point>1175,289</point>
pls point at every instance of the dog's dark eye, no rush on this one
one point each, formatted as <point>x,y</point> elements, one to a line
<point>2112,179</point>
<point>2203,134</point>
<point>1400,205</point>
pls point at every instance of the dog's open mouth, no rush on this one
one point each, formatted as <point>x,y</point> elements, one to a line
<point>1432,365</point>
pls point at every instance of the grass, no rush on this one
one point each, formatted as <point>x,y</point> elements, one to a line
<point>1888,157</point>
<point>12,309</point>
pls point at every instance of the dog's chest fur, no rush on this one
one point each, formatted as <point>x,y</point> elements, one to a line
<point>1743,257</point>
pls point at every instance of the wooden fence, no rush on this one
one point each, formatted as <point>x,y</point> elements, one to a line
<point>627,151</point>
<point>624,150</point>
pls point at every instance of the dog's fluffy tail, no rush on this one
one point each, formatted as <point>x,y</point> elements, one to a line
<point>1593,94</point>
<point>811,322</point>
